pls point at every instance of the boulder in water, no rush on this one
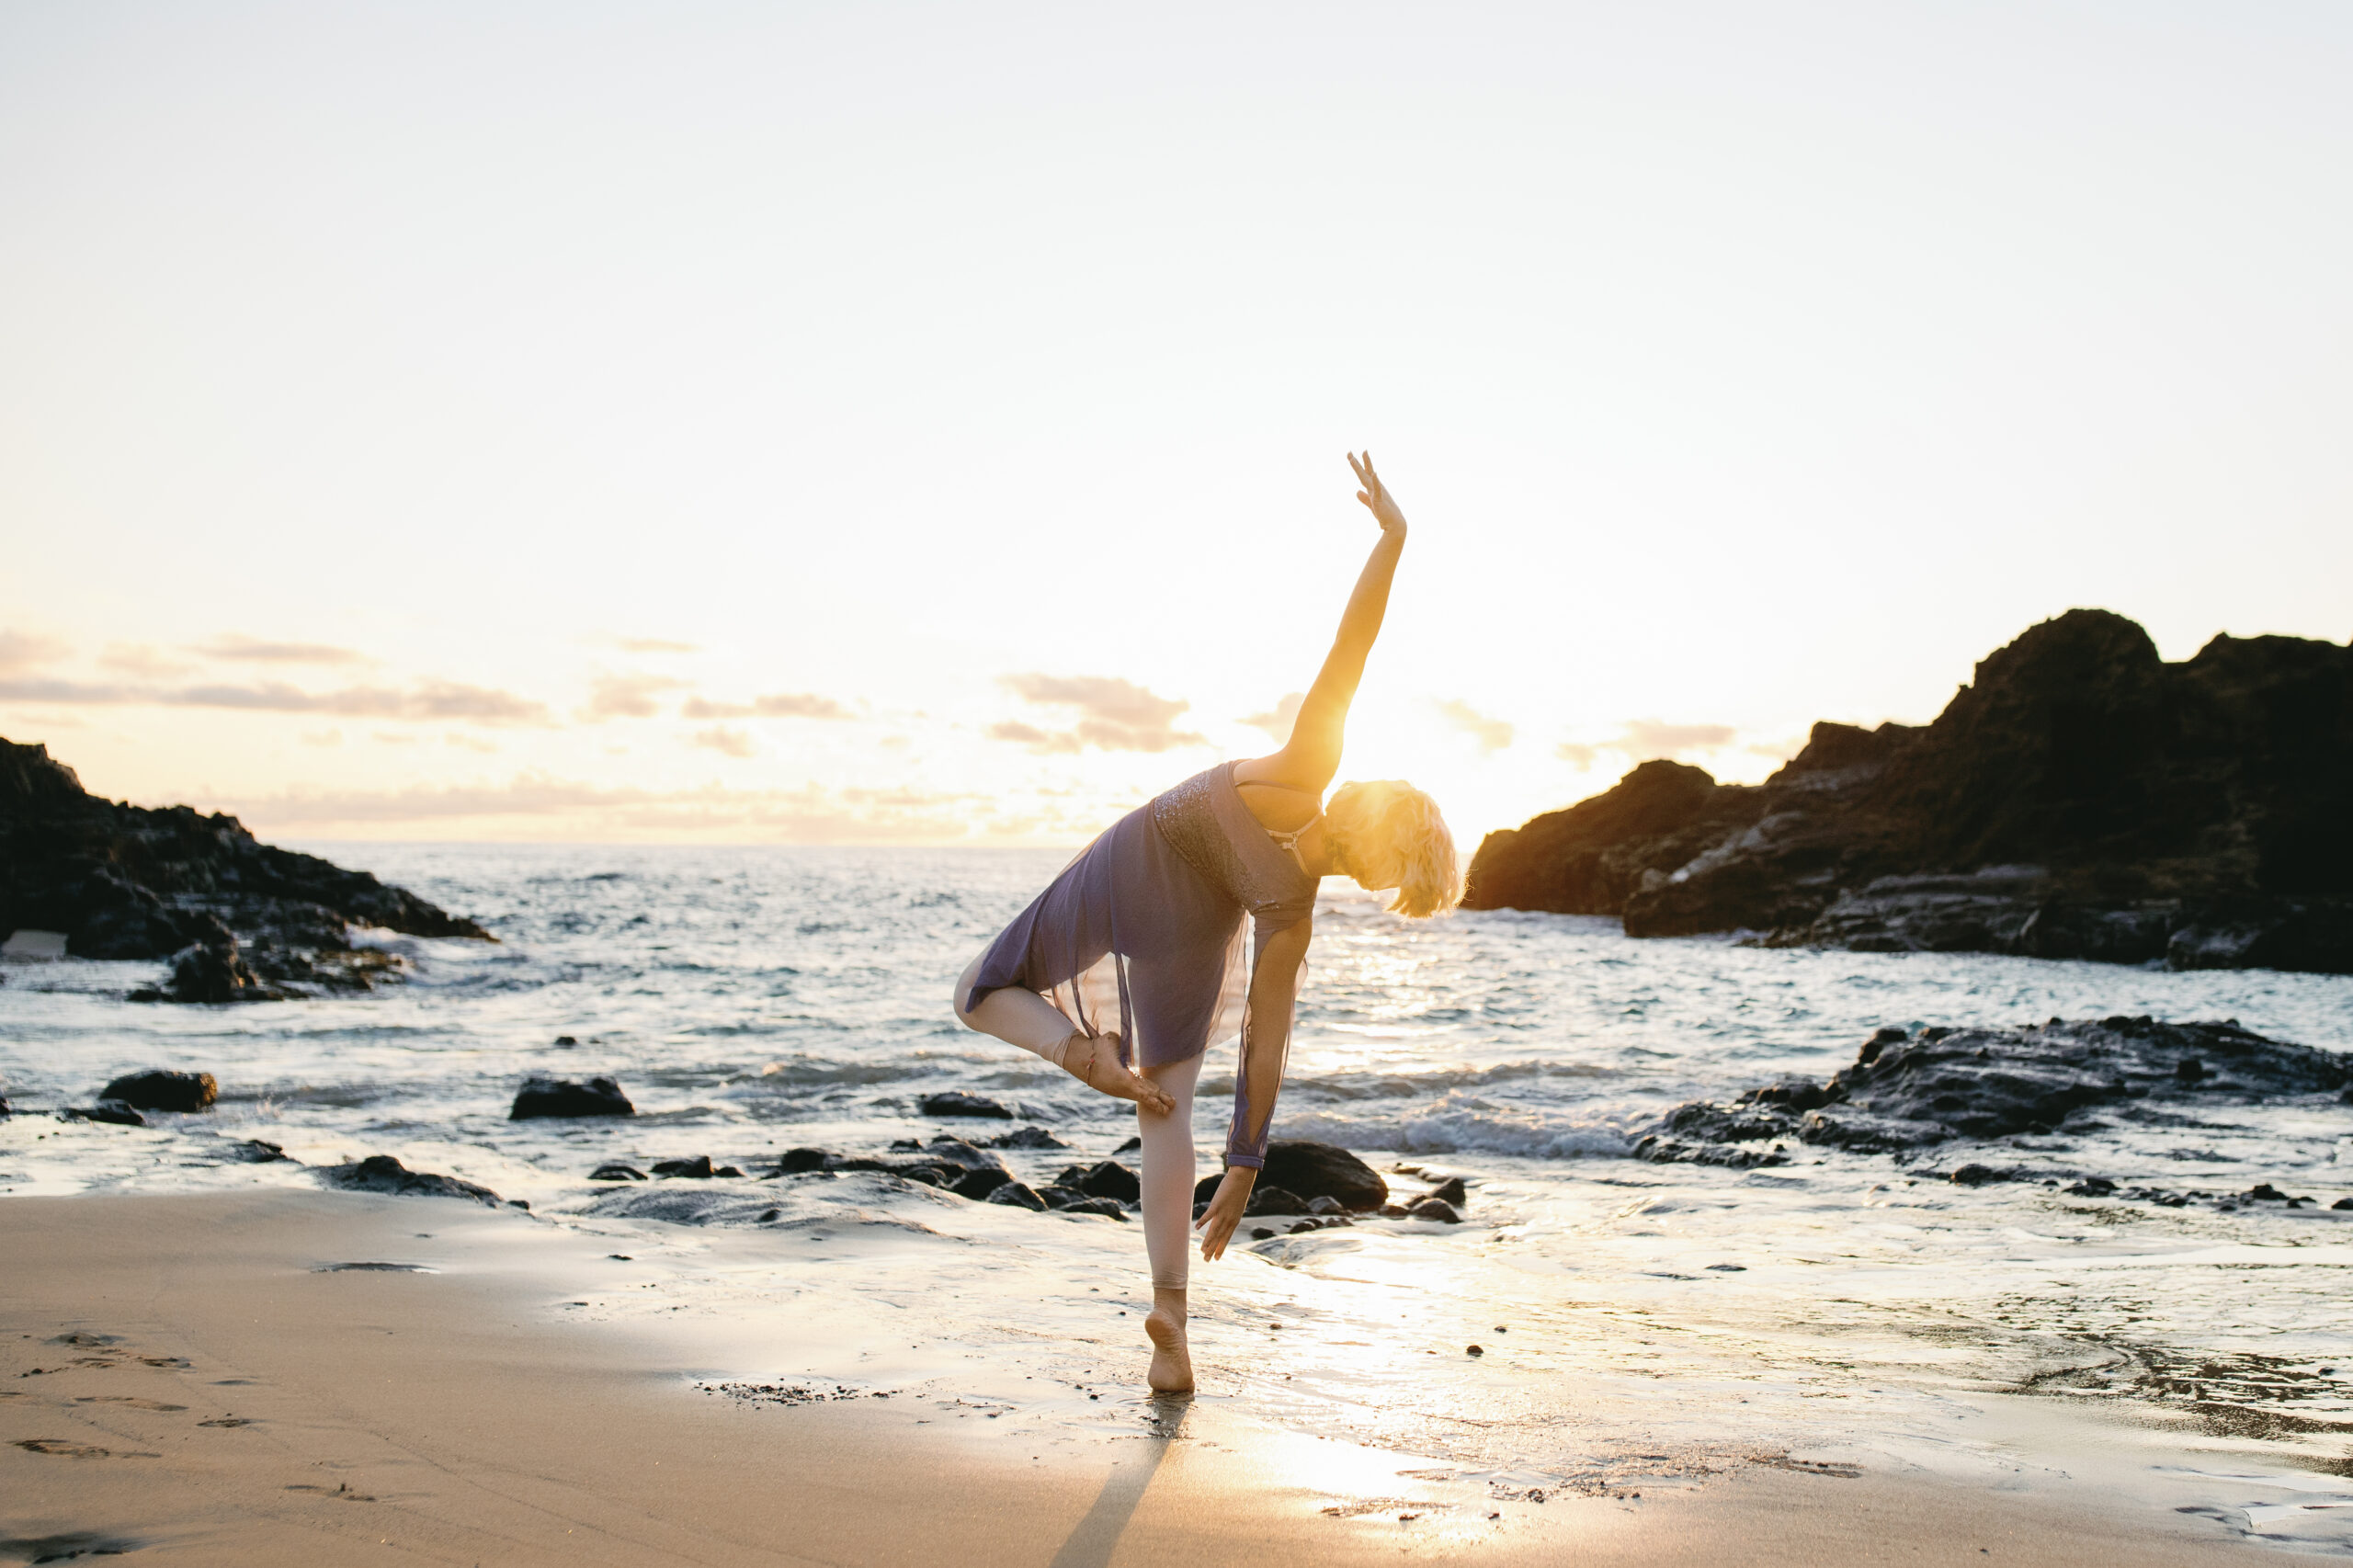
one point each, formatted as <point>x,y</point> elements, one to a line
<point>544,1096</point>
<point>980,1184</point>
<point>616,1171</point>
<point>1324,1170</point>
<point>1909,1090</point>
<point>163,1089</point>
<point>1027,1138</point>
<point>956,1102</point>
<point>111,1111</point>
<point>1269,1200</point>
<point>1436,1208</point>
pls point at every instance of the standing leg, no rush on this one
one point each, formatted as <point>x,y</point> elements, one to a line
<point>1167,1181</point>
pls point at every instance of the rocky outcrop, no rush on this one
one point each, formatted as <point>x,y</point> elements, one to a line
<point>240,920</point>
<point>1909,1090</point>
<point>382,1173</point>
<point>956,1102</point>
<point>1298,1170</point>
<point>2079,798</point>
<point>161,1088</point>
<point>545,1097</point>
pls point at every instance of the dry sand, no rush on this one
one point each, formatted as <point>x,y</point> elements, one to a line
<point>453,1416</point>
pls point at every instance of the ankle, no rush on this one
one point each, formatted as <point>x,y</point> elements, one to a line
<point>1169,1304</point>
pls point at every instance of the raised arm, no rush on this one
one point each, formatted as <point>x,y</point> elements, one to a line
<point>1312,756</point>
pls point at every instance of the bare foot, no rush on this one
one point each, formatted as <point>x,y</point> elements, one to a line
<point>1093,1061</point>
<point>1172,1359</point>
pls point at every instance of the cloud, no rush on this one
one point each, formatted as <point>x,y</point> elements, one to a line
<point>252,649</point>
<point>781,705</point>
<point>655,645</point>
<point>142,660</point>
<point>430,699</point>
<point>1114,715</point>
<point>720,738</point>
<point>1644,739</point>
<point>1492,734</point>
<point>626,697</point>
<point>22,650</point>
<point>471,742</point>
<point>1278,721</point>
<point>810,815</point>
<point>323,737</point>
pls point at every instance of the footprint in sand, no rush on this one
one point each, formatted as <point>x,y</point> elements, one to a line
<point>63,1449</point>
<point>125,1399</point>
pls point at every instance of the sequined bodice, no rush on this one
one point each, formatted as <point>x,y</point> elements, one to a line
<point>1205,821</point>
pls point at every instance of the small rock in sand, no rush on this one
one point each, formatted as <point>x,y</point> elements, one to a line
<point>981,1185</point>
<point>1436,1208</point>
<point>1106,1178</point>
<point>381,1172</point>
<point>1027,1138</point>
<point>1451,1191</point>
<point>616,1172</point>
<point>797,1160</point>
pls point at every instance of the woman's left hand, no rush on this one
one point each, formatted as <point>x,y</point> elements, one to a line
<point>1224,1213</point>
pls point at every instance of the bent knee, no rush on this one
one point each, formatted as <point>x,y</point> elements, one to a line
<point>958,999</point>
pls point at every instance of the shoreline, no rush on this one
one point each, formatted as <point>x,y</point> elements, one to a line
<point>456,1417</point>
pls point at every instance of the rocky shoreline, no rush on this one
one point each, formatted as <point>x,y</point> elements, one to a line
<point>2081,799</point>
<point>240,920</point>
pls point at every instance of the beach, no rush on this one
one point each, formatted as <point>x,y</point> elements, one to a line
<point>211,1388</point>
<point>2100,1320</point>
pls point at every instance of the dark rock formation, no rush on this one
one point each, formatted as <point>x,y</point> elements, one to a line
<point>1451,1191</point>
<point>161,1088</point>
<point>616,1171</point>
<point>980,1184</point>
<point>256,1151</point>
<point>1436,1209</point>
<point>381,1172</point>
<point>2080,798</point>
<point>542,1096</point>
<point>1108,1208</point>
<point>1323,1170</point>
<point>1906,1090</point>
<point>1266,1199</point>
<point>1026,1138</point>
<point>956,1102</point>
<point>125,883</point>
<point>1107,1178</point>
<point>111,1111</point>
<point>1017,1195</point>
<point>698,1169</point>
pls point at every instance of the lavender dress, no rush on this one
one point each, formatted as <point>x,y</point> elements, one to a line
<point>1148,921</point>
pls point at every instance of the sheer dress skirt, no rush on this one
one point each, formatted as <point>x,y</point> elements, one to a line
<point>1130,937</point>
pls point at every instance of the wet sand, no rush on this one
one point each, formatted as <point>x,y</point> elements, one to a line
<point>185,1376</point>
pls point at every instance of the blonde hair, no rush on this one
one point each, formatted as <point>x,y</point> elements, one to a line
<point>1387,834</point>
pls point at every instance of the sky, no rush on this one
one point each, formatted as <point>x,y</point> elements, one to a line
<point>897,423</point>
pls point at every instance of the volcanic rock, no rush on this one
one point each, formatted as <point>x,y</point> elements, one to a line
<point>1271,1199</point>
<point>161,1088</point>
<point>980,1184</point>
<point>125,883</point>
<point>542,1096</point>
<point>1027,1138</point>
<point>1106,1178</point>
<point>1017,1195</point>
<point>381,1172</point>
<point>1324,1170</point>
<point>956,1102</point>
<point>1909,1090</point>
<point>2080,798</point>
<point>111,1111</point>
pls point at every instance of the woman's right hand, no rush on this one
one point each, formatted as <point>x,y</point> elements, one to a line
<point>1224,1212</point>
<point>1375,496</point>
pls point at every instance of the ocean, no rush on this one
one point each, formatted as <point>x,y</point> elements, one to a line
<point>1637,1324</point>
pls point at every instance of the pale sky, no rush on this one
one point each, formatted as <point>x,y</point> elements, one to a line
<point>893,423</point>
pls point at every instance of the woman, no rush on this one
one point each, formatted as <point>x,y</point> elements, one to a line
<point>1146,924</point>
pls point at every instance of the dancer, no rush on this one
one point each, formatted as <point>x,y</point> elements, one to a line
<point>1146,928</point>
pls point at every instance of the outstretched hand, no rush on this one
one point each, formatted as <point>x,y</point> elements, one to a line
<point>1375,496</point>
